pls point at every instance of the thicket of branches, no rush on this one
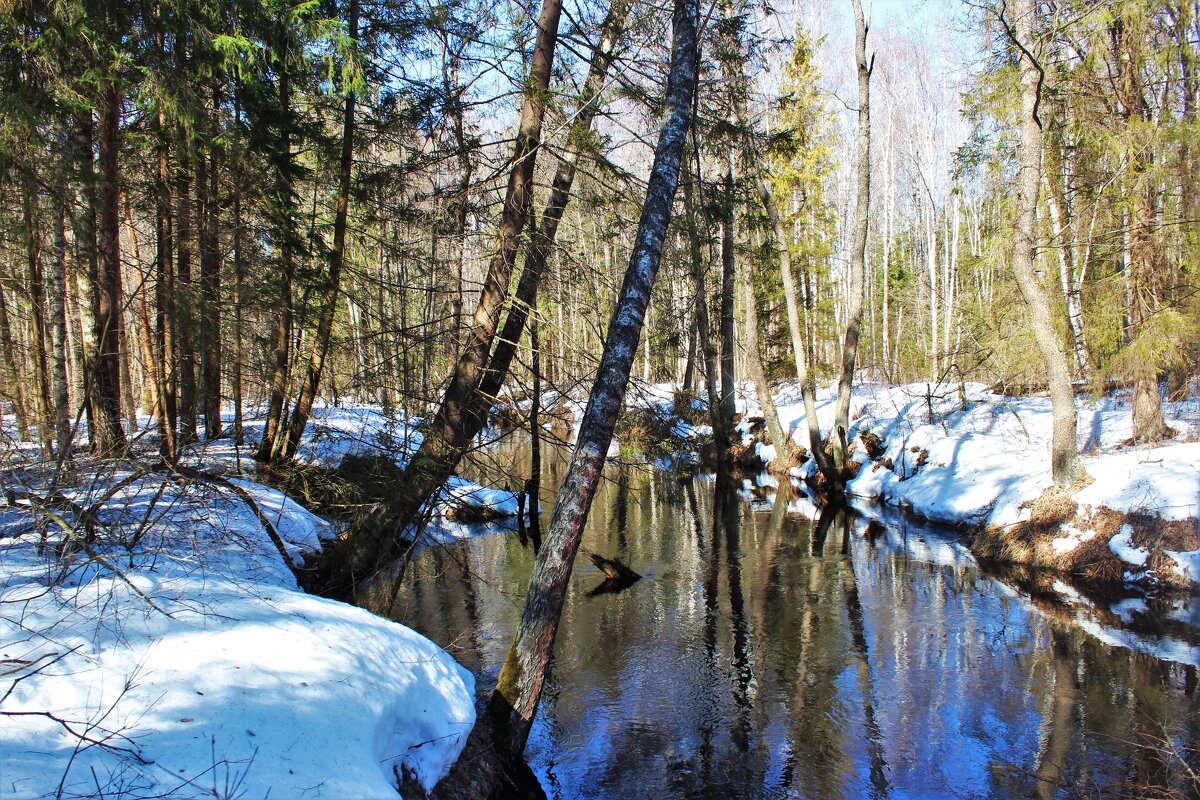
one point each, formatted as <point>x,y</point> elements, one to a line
<point>217,211</point>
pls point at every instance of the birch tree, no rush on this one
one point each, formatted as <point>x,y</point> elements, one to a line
<point>515,700</point>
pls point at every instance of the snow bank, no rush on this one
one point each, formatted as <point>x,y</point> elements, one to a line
<point>975,457</point>
<point>207,672</point>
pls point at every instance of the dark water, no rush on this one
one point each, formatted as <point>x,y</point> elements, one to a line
<point>765,655</point>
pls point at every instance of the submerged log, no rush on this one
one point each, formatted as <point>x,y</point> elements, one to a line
<point>614,569</point>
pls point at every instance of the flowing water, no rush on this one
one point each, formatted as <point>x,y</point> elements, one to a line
<point>767,655</point>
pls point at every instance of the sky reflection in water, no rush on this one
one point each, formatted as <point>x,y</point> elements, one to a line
<point>770,656</point>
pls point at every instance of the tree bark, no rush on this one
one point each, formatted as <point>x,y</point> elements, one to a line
<point>728,280</point>
<point>164,316</point>
<point>281,322</point>
<point>1055,203</point>
<point>185,309</point>
<point>10,365</point>
<point>779,439</point>
<point>691,185</point>
<point>151,388</point>
<point>376,541</point>
<point>1066,467</point>
<point>804,377</point>
<point>515,700</point>
<point>37,304</point>
<point>1142,273</point>
<point>87,273</point>
<point>542,243</point>
<point>58,328</point>
<point>210,280</point>
<point>858,251</point>
<point>106,380</point>
<point>239,272</point>
<point>327,306</point>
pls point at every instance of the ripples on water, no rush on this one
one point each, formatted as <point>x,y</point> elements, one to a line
<point>766,655</point>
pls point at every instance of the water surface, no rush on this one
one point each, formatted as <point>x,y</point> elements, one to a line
<point>768,655</point>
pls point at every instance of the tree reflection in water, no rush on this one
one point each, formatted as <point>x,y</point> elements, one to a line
<point>765,656</point>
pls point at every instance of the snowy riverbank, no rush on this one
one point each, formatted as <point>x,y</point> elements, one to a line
<point>981,459</point>
<point>177,657</point>
<point>967,456</point>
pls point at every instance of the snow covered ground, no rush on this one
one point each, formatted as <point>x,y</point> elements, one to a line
<point>979,458</point>
<point>967,456</point>
<point>335,432</point>
<point>179,658</point>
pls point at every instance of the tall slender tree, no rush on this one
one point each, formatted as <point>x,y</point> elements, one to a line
<point>858,249</point>
<point>377,540</point>
<point>515,700</point>
<point>1066,467</point>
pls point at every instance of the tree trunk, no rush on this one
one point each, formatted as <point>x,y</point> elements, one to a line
<point>541,244</point>
<point>808,388</point>
<point>164,298</point>
<point>281,322</point>
<point>58,327</point>
<point>533,489</point>
<point>87,275</point>
<point>10,366</point>
<point>185,309</point>
<point>375,542</point>
<point>779,439</point>
<point>106,376</point>
<point>210,282</point>
<point>1066,268</point>
<point>151,387</point>
<point>728,279</point>
<point>327,305</point>
<point>1142,273</point>
<point>515,700</point>
<point>1066,467</point>
<point>37,303</point>
<point>689,366</point>
<point>691,186</point>
<point>239,271</point>
<point>858,251</point>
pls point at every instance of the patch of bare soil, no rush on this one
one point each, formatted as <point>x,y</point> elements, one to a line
<point>1030,543</point>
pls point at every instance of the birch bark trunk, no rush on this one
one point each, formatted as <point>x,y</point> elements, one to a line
<point>858,253</point>
<point>515,700</point>
<point>808,386</point>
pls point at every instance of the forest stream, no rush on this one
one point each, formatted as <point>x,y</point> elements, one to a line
<point>769,655</point>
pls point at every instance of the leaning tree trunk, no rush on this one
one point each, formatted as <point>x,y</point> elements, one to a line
<point>1064,454</point>
<point>541,244</point>
<point>858,252</point>
<point>377,541</point>
<point>808,387</point>
<point>515,700</point>
<point>337,257</point>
